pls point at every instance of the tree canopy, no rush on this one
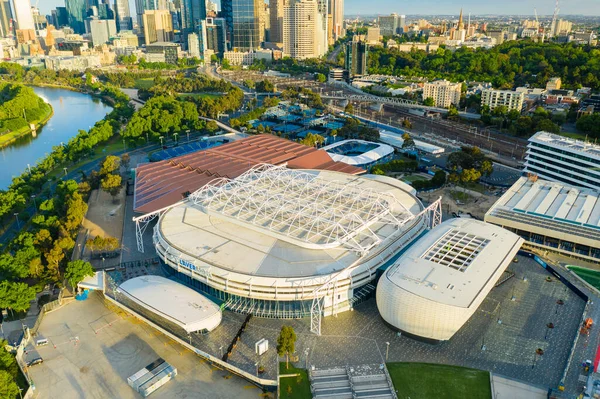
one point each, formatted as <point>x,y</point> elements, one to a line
<point>286,342</point>
<point>468,165</point>
<point>77,270</point>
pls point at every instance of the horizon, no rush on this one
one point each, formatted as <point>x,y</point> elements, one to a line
<point>588,8</point>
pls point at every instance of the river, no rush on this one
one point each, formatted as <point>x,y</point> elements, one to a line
<point>73,111</point>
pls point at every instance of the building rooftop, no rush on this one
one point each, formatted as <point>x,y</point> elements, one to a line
<point>551,205</point>
<point>589,149</point>
<point>173,301</point>
<point>454,261</point>
<point>165,183</point>
<point>358,152</point>
<point>276,222</point>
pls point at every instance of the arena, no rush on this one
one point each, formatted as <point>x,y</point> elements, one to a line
<point>436,286</point>
<point>363,154</point>
<point>283,243</point>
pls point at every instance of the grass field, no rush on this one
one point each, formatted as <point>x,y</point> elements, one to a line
<point>144,83</point>
<point>590,276</point>
<point>199,95</point>
<point>413,178</point>
<point>300,385</point>
<point>6,139</point>
<point>425,381</point>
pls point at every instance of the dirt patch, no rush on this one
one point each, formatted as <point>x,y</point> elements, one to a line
<point>477,205</point>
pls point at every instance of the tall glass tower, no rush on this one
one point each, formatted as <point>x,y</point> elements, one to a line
<point>192,12</point>
<point>241,17</point>
<point>76,10</point>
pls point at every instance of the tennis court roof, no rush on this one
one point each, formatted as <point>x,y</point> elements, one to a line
<point>164,183</point>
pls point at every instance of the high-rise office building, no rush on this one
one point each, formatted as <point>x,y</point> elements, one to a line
<point>213,36</point>
<point>23,15</point>
<point>5,17</point>
<point>158,26</point>
<point>357,52</point>
<point>276,8</point>
<point>302,30</point>
<point>144,5</point>
<point>241,17</point>
<point>123,15</point>
<point>192,12</point>
<point>76,11</point>
<point>193,43</point>
<point>61,17</point>
<point>263,21</point>
<point>391,24</point>
<point>102,30</point>
<point>336,10</point>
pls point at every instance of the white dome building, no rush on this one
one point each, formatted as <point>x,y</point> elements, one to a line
<point>438,283</point>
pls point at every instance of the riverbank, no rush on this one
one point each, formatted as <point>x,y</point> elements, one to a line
<point>9,138</point>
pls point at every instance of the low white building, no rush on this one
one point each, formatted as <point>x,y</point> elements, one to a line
<point>73,63</point>
<point>439,282</point>
<point>551,216</point>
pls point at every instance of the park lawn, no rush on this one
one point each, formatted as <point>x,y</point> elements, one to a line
<point>144,83</point>
<point>425,381</point>
<point>413,178</point>
<point>590,276</point>
<point>199,95</point>
<point>6,139</point>
<point>299,390</point>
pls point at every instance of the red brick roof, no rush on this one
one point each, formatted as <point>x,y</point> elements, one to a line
<point>164,183</point>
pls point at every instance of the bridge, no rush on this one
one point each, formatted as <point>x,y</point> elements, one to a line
<point>400,102</point>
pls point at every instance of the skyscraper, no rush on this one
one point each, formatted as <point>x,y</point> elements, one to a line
<point>141,6</point>
<point>123,15</point>
<point>336,10</point>
<point>357,52</point>
<point>5,17</point>
<point>389,24</point>
<point>23,15</point>
<point>192,12</point>
<point>76,10</point>
<point>276,16</point>
<point>62,17</point>
<point>302,30</point>
<point>158,26</point>
<point>242,21</point>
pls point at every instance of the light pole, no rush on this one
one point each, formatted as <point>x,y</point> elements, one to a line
<point>256,364</point>
<point>34,203</point>
<point>306,352</point>
<point>103,262</point>
<point>221,350</point>
<point>18,221</point>
<point>161,141</point>
<point>29,169</point>
<point>387,351</point>
<point>188,135</point>
<point>65,169</point>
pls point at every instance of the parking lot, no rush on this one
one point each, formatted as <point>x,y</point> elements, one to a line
<point>92,350</point>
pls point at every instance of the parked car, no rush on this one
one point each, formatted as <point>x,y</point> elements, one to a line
<point>33,362</point>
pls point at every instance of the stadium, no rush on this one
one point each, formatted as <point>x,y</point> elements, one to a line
<point>363,154</point>
<point>438,283</point>
<point>284,243</point>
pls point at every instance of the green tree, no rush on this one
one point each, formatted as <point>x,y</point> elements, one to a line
<point>286,343</point>
<point>211,126</point>
<point>110,164</point>
<point>319,77</point>
<point>429,101</point>
<point>78,270</point>
<point>408,141</point>
<point>349,108</point>
<point>111,184</point>
<point>265,86</point>
<point>8,387</point>
<point>16,296</point>
<point>312,140</point>
<point>547,125</point>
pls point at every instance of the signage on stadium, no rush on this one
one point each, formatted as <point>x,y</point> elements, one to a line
<point>187,264</point>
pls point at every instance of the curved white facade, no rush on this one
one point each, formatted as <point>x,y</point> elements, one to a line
<point>436,286</point>
<point>237,253</point>
<point>173,301</point>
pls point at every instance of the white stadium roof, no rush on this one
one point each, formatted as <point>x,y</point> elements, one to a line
<point>438,283</point>
<point>302,208</point>
<point>454,261</point>
<point>173,301</point>
<point>273,222</point>
<point>380,151</point>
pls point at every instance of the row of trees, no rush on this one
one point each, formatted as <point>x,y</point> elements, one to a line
<point>514,63</point>
<point>522,125</point>
<point>468,165</point>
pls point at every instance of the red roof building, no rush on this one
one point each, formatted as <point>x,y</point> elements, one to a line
<point>164,183</point>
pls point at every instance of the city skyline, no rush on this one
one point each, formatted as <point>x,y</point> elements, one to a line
<point>441,7</point>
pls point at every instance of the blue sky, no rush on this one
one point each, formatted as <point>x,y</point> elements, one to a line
<point>525,7</point>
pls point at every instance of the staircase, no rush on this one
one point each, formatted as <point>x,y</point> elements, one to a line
<point>330,384</point>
